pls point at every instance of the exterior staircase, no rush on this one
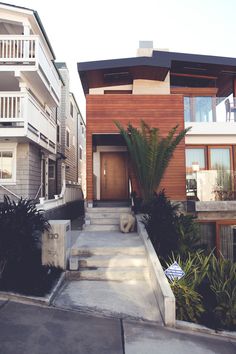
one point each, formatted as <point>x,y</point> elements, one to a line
<point>104,218</point>
<point>118,260</point>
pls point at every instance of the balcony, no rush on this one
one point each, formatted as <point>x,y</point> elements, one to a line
<point>211,185</point>
<point>30,55</point>
<point>21,116</point>
<point>210,115</point>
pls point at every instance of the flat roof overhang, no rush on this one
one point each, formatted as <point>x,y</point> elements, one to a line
<point>219,71</point>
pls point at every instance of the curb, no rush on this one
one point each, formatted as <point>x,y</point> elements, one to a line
<point>193,327</point>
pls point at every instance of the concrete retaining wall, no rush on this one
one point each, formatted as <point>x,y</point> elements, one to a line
<point>67,211</point>
<point>164,295</point>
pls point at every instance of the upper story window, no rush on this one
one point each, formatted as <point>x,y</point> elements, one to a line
<point>7,165</point>
<point>80,153</point>
<point>67,137</point>
<point>71,110</point>
<point>58,133</point>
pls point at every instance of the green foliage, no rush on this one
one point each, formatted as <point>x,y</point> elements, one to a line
<point>168,229</point>
<point>222,282</point>
<point>159,220</point>
<point>21,227</point>
<point>150,153</point>
<point>188,234</point>
<point>189,302</point>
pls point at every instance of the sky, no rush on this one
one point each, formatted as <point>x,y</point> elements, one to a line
<point>87,30</point>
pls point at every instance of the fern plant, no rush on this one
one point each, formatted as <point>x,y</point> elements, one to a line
<point>150,153</point>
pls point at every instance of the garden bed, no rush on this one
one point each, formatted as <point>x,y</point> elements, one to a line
<point>46,299</point>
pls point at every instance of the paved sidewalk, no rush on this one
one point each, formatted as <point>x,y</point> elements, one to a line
<point>28,329</point>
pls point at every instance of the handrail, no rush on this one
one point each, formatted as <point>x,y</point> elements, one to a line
<point>9,191</point>
<point>40,187</point>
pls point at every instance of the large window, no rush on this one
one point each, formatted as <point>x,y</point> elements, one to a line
<point>220,158</point>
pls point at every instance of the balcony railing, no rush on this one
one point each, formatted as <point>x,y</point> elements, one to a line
<point>29,50</point>
<point>21,115</point>
<point>209,109</point>
<point>210,185</point>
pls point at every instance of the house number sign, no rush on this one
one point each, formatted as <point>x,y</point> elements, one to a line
<point>52,236</point>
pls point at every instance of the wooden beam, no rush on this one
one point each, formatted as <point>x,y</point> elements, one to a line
<point>195,75</point>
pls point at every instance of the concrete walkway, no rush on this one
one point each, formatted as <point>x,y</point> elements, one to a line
<point>114,280</point>
<point>28,329</point>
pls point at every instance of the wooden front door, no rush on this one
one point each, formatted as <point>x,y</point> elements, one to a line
<point>114,176</point>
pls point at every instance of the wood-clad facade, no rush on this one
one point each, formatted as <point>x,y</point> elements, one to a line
<point>161,111</point>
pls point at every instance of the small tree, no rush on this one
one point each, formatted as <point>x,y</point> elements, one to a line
<point>150,153</point>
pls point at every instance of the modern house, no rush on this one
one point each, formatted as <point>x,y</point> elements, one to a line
<point>165,89</point>
<point>40,122</point>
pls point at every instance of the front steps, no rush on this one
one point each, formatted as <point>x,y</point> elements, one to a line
<point>121,259</point>
<point>104,218</point>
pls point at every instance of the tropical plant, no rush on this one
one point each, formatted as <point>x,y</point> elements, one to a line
<point>188,234</point>
<point>189,302</point>
<point>21,227</point>
<point>222,282</point>
<point>150,153</point>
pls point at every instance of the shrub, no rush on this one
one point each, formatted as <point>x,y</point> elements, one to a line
<point>21,227</point>
<point>159,220</point>
<point>169,230</point>
<point>222,282</point>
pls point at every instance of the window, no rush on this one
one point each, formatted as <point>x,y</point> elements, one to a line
<point>195,160</point>
<point>67,137</point>
<point>220,158</point>
<point>198,109</point>
<point>80,153</point>
<point>51,171</point>
<point>7,165</point>
<point>71,109</point>
<point>58,133</point>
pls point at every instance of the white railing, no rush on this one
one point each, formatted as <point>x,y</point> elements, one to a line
<point>11,106</point>
<point>17,48</point>
<point>25,50</point>
<point>26,117</point>
<point>69,193</point>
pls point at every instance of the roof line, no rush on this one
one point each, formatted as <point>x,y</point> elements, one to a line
<point>36,15</point>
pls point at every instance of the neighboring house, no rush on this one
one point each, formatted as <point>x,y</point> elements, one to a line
<point>42,148</point>
<point>164,89</point>
<point>70,135</point>
<point>30,90</point>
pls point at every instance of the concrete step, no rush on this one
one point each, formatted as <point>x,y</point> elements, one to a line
<point>111,251</point>
<point>104,221</point>
<point>103,215</point>
<point>112,261</point>
<point>108,210</point>
<point>117,274</point>
<point>101,227</point>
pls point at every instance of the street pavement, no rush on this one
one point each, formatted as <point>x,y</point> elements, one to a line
<point>34,329</point>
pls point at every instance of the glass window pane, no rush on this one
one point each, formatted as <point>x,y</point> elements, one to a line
<point>6,164</point>
<point>203,109</point>
<point>220,159</point>
<point>187,116</point>
<point>195,160</point>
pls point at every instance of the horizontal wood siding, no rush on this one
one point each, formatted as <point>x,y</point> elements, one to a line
<point>162,111</point>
